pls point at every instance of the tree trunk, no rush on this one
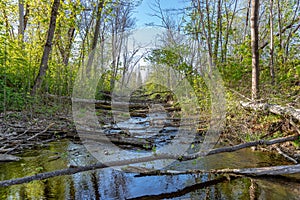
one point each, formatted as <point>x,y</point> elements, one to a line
<point>96,37</point>
<point>272,70</point>
<point>47,49</point>
<point>21,20</point>
<point>247,19</point>
<point>26,16</point>
<point>209,40</point>
<point>280,30</point>
<point>254,47</point>
<point>228,28</point>
<point>288,40</point>
<point>218,30</point>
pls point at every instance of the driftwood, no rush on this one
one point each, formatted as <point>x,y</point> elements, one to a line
<point>260,171</point>
<point>275,109</point>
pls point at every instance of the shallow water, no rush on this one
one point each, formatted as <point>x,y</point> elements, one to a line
<point>113,184</point>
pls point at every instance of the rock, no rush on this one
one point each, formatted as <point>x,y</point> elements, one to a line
<point>8,158</point>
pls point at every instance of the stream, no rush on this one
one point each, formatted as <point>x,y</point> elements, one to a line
<point>113,184</point>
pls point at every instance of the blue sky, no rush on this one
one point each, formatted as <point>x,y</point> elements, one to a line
<point>142,12</point>
<point>147,36</point>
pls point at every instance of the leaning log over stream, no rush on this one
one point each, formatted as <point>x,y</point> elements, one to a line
<point>273,108</point>
<point>278,170</point>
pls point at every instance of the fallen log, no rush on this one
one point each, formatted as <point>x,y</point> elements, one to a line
<point>8,158</point>
<point>77,169</point>
<point>121,140</point>
<point>260,171</point>
<point>273,108</point>
<point>242,146</point>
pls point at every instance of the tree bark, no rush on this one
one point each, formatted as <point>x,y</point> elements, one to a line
<point>254,47</point>
<point>47,49</point>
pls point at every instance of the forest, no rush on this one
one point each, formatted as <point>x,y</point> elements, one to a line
<point>220,78</point>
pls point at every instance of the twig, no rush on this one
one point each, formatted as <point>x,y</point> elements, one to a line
<point>45,130</point>
<point>22,134</point>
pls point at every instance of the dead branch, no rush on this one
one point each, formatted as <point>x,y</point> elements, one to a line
<point>45,130</point>
<point>8,158</point>
<point>74,170</point>
<point>286,156</point>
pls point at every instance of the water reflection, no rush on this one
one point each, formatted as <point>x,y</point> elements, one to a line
<point>112,184</point>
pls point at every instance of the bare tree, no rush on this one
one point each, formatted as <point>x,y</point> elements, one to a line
<point>120,23</point>
<point>228,25</point>
<point>254,47</point>
<point>294,19</point>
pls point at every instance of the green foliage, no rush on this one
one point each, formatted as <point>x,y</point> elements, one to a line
<point>296,143</point>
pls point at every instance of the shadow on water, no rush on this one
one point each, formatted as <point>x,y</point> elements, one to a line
<point>113,184</point>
